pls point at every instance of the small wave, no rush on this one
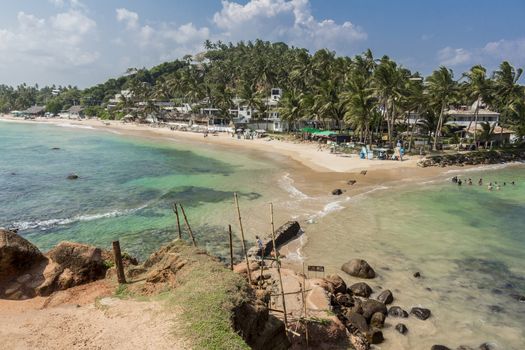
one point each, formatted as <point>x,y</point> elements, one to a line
<point>328,208</point>
<point>298,254</point>
<point>483,168</point>
<point>47,224</point>
<point>66,125</point>
<point>287,184</point>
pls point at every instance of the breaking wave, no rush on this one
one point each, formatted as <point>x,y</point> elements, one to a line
<point>287,184</point>
<point>47,224</point>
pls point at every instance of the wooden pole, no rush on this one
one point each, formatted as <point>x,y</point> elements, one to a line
<point>118,262</point>
<point>231,246</point>
<point>176,211</point>
<point>242,239</point>
<point>303,287</point>
<point>278,266</point>
<point>188,225</point>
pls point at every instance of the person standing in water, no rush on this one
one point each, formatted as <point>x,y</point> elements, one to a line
<point>480,182</point>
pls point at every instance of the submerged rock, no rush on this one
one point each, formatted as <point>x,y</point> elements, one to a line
<point>72,177</point>
<point>420,313</point>
<point>358,268</point>
<point>417,274</point>
<point>401,328</point>
<point>396,311</point>
<point>337,192</point>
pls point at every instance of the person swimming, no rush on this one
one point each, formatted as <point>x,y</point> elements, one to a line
<point>480,182</point>
<point>469,182</point>
<point>460,182</point>
<point>498,188</point>
<point>490,187</point>
<point>455,179</point>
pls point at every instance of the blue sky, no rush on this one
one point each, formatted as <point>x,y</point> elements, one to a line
<point>83,42</point>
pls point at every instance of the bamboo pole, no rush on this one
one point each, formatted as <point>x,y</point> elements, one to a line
<point>242,239</point>
<point>188,225</point>
<point>278,267</point>
<point>176,211</point>
<point>303,287</point>
<point>118,262</point>
<point>231,246</point>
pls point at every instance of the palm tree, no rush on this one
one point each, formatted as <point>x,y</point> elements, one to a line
<point>477,87</point>
<point>361,104</point>
<point>290,108</point>
<point>442,88</point>
<point>508,93</point>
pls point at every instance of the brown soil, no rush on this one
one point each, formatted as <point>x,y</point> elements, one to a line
<point>87,317</point>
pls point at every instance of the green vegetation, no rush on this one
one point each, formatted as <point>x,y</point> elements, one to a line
<point>206,294</point>
<point>369,95</point>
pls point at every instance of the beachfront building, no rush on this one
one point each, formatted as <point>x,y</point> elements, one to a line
<point>124,94</point>
<point>466,116</point>
<point>75,112</point>
<point>244,116</point>
<point>33,112</point>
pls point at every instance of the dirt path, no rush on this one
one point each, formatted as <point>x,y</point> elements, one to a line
<point>108,323</point>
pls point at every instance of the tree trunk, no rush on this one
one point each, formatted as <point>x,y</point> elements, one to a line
<point>438,129</point>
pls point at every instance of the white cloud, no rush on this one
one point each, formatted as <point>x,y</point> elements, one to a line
<point>449,56</point>
<point>490,55</point>
<point>129,17</point>
<point>55,42</point>
<point>282,20</point>
<point>510,50</point>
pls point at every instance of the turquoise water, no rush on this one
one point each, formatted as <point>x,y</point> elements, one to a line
<point>125,190</point>
<point>467,242</point>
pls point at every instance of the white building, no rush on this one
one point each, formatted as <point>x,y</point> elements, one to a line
<point>464,116</point>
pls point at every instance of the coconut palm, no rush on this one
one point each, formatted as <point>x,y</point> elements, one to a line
<point>441,89</point>
<point>508,93</point>
<point>477,87</point>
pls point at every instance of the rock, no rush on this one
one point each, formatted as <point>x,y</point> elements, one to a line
<point>16,254</point>
<point>386,297</point>
<point>374,336</point>
<point>361,289</point>
<point>439,347</point>
<point>351,182</point>
<point>72,177</point>
<point>335,284</point>
<point>337,192</point>
<point>377,320</point>
<point>396,311</point>
<point>357,307</point>
<point>74,264</point>
<point>344,300</point>
<point>283,234</point>
<point>372,306</point>
<point>486,346</point>
<point>401,328</point>
<point>417,274</point>
<point>358,321</point>
<point>55,148</point>
<point>420,313</point>
<point>358,268</point>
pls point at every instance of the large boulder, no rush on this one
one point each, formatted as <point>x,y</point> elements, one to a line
<point>72,264</point>
<point>358,268</point>
<point>283,234</point>
<point>16,254</point>
<point>360,289</point>
<point>357,320</point>
<point>386,297</point>
<point>372,306</point>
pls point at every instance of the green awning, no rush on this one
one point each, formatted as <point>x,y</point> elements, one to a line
<point>310,130</point>
<point>324,133</point>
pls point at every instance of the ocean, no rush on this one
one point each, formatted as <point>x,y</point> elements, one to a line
<point>468,243</point>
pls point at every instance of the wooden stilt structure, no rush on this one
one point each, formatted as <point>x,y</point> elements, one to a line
<point>278,267</point>
<point>242,239</point>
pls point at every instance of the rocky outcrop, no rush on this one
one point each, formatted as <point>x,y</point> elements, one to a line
<point>16,254</point>
<point>358,268</point>
<point>27,273</point>
<point>283,234</point>
<point>474,158</point>
<point>335,284</point>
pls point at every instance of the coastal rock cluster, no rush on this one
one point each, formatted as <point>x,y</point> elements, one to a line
<point>283,234</point>
<point>25,272</point>
<point>363,316</point>
<point>473,158</point>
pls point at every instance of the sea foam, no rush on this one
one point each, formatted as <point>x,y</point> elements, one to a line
<point>287,184</point>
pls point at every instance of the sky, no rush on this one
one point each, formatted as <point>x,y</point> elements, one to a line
<point>85,42</point>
